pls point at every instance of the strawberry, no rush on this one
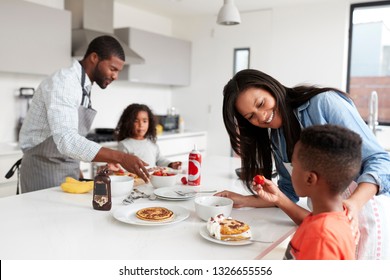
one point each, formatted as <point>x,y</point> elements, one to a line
<point>259,179</point>
<point>184,180</point>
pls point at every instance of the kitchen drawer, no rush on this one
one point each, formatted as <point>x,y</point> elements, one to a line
<point>8,188</point>
<point>6,162</point>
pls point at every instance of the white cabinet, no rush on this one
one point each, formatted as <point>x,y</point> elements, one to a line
<point>34,39</point>
<point>167,59</point>
<point>177,147</point>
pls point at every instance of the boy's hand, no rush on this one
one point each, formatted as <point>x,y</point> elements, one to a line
<point>259,179</point>
<point>265,189</point>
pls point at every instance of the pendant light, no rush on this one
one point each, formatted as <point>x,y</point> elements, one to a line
<point>228,14</point>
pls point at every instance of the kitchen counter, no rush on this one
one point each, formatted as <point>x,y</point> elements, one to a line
<point>11,148</point>
<point>51,224</point>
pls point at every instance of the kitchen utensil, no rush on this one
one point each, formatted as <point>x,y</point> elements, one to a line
<point>183,193</point>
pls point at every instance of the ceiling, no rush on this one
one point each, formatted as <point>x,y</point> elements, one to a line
<point>172,8</point>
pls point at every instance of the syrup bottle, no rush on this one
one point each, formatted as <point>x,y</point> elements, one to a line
<point>101,199</point>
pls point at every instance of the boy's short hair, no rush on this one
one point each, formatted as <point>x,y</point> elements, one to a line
<point>333,152</point>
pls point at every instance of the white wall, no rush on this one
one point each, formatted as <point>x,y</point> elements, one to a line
<point>295,44</point>
<point>109,102</point>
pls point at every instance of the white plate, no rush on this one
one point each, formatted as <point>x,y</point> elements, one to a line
<point>173,199</point>
<point>169,193</point>
<point>205,234</point>
<point>127,214</point>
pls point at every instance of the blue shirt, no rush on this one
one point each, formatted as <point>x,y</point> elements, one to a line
<point>334,108</point>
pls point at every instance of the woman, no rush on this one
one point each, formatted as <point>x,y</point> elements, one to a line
<point>264,119</point>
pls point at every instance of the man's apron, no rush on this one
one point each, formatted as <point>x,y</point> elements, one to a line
<point>43,166</point>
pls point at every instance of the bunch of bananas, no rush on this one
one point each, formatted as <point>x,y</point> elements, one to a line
<point>72,185</point>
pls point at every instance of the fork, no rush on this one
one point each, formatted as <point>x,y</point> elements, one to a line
<point>192,192</point>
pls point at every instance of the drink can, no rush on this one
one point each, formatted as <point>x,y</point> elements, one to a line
<point>194,166</point>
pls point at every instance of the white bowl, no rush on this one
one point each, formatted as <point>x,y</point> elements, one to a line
<point>210,206</point>
<point>163,181</point>
<point>121,185</point>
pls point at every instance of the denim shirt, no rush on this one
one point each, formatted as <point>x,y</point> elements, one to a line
<point>333,108</point>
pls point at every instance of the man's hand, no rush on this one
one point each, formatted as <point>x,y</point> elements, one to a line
<point>135,165</point>
<point>129,162</point>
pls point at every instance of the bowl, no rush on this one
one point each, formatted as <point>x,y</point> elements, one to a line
<point>163,181</point>
<point>238,172</point>
<point>121,185</point>
<point>210,206</point>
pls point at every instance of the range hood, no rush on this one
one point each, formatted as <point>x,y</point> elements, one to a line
<point>93,18</point>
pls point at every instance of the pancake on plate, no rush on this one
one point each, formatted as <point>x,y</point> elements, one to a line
<point>228,229</point>
<point>155,214</point>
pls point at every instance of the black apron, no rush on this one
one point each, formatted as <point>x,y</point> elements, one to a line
<point>43,166</point>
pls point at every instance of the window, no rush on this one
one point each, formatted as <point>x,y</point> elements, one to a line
<point>241,59</point>
<point>369,57</point>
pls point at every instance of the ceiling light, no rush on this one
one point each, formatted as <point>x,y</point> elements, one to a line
<point>228,14</point>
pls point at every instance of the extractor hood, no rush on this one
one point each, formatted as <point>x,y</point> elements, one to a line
<point>93,18</point>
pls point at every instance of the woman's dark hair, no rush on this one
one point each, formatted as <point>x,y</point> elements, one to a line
<point>125,126</point>
<point>105,46</point>
<point>253,143</point>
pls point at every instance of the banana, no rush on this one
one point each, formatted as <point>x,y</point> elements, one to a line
<point>71,180</point>
<point>74,186</point>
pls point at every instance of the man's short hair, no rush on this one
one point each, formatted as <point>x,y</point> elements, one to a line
<point>105,46</point>
<point>333,152</point>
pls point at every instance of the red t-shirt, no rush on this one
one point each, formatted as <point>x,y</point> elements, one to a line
<point>325,236</point>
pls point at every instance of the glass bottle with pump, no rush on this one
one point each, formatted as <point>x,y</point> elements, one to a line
<point>102,191</point>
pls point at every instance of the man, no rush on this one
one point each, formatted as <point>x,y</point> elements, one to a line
<point>52,137</point>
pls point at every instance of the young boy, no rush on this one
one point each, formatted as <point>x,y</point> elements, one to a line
<point>325,161</point>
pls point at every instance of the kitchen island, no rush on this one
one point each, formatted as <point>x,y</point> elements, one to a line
<point>52,224</point>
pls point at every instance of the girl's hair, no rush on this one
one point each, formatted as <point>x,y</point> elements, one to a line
<point>125,126</point>
<point>253,143</point>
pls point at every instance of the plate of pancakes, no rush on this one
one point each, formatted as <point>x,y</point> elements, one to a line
<point>149,214</point>
<point>229,231</point>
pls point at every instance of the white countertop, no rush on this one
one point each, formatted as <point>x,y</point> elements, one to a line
<point>189,133</point>
<point>10,149</point>
<point>51,224</point>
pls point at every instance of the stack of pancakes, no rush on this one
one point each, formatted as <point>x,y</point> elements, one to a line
<point>228,229</point>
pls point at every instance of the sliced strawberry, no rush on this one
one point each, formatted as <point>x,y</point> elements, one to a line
<point>259,179</point>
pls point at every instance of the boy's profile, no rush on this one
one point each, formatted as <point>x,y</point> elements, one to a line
<point>325,161</point>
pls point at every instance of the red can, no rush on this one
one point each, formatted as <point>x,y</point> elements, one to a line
<point>194,166</point>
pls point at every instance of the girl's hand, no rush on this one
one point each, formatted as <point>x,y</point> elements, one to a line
<point>352,211</point>
<point>175,165</point>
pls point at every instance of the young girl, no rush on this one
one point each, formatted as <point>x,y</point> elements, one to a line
<point>136,133</point>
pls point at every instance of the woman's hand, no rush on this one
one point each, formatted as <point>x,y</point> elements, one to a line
<point>238,199</point>
<point>353,212</point>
